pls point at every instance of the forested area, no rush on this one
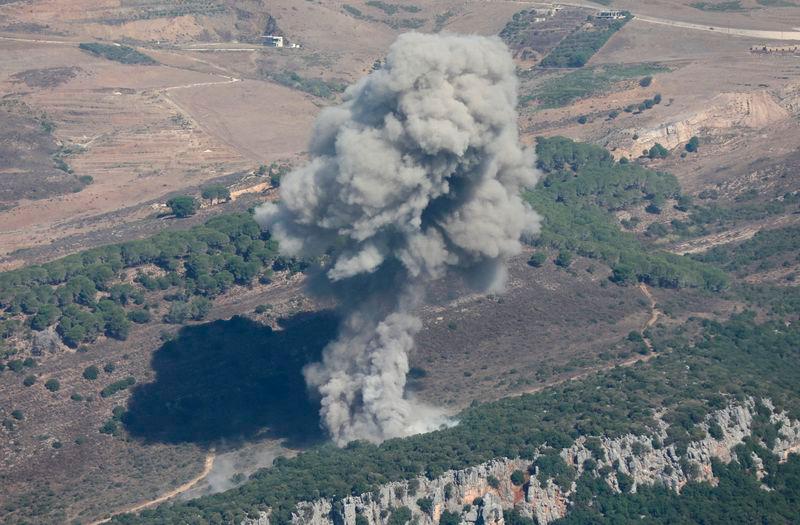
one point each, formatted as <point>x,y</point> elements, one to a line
<point>728,361</point>
<point>738,498</point>
<point>104,290</point>
<point>583,185</point>
<point>768,248</point>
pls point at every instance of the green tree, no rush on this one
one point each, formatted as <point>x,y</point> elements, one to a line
<point>183,206</point>
<point>693,144</point>
<point>564,259</point>
<point>518,478</point>
<point>537,259</point>
<point>52,385</point>
<point>90,372</point>
<point>658,151</point>
<point>216,192</point>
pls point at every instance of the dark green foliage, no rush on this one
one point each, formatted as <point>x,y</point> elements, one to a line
<point>518,478</point>
<point>18,415</point>
<point>646,81</point>
<point>118,53</point>
<point>140,316</point>
<point>582,119</point>
<point>625,482</point>
<point>29,380</point>
<point>117,386</point>
<point>216,192</point>
<point>552,466</point>
<point>738,358</point>
<point>52,385</point>
<point>110,427</point>
<point>582,186</point>
<point>766,247</point>
<point>559,91</point>
<point>46,315</point>
<point>493,482</point>
<point>425,505</point>
<point>452,518</point>
<point>513,517</point>
<point>658,152</point>
<point>578,47</point>
<point>313,86</point>
<point>738,498</point>
<point>183,206</point>
<point>729,5</point>
<point>400,516</point>
<point>537,259</point>
<point>91,373</point>
<point>564,259</point>
<point>693,144</point>
<point>228,250</point>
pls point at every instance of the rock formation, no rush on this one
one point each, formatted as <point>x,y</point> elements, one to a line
<point>480,494</point>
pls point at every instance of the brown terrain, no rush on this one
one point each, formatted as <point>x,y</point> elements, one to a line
<point>91,149</point>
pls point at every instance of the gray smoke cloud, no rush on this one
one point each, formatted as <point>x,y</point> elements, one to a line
<point>416,174</point>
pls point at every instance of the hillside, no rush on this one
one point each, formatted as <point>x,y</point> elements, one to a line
<point>640,360</point>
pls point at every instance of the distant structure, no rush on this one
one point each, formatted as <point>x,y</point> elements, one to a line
<point>273,41</point>
<point>610,15</point>
<point>782,50</point>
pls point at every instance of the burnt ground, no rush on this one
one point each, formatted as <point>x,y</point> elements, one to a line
<point>28,157</point>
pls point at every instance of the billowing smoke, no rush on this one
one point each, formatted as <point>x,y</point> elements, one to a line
<point>416,174</point>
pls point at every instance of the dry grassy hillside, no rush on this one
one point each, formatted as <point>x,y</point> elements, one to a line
<point>91,148</point>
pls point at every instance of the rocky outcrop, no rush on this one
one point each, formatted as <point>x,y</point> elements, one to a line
<point>480,494</point>
<point>724,112</point>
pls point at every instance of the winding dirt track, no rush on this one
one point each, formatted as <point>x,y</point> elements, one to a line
<point>209,464</point>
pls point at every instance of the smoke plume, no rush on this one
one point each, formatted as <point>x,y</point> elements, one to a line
<point>416,174</point>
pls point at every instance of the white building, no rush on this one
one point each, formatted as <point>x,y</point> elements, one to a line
<point>273,41</point>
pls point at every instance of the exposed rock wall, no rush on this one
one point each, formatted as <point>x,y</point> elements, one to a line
<point>639,457</point>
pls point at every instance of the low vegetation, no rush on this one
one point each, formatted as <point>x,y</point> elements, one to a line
<point>728,361</point>
<point>118,53</point>
<point>564,89</point>
<point>578,47</point>
<point>582,186</point>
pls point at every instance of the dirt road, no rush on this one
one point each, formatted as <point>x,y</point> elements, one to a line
<point>209,464</point>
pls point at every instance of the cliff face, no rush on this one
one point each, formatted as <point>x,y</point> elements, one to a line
<point>632,457</point>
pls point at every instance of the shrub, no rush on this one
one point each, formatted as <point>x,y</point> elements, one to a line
<point>116,386</point>
<point>216,192</point>
<point>564,259</point>
<point>537,259</point>
<point>18,415</point>
<point>109,368</point>
<point>692,145</point>
<point>140,316</point>
<point>425,505</point>
<point>646,81</point>
<point>179,312</point>
<point>29,380</point>
<point>493,482</point>
<point>658,151</point>
<point>449,518</point>
<point>582,119</point>
<point>518,478</point>
<point>52,385</point>
<point>183,206</point>
<point>90,373</point>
